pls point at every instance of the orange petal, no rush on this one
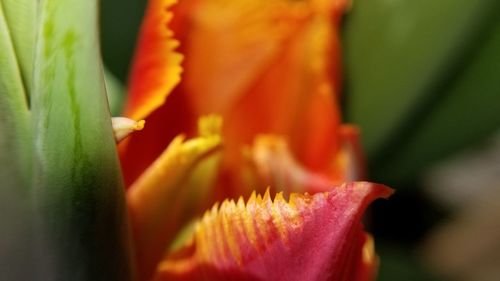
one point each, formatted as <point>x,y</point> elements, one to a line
<point>367,263</point>
<point>272,164</point>
<point>156,66</point>
<point>229,43</point>
<point>316,237</point>
<point>139,151</point>
<point>267,67</point>
<point>171,191</point>
<point>275,166</point>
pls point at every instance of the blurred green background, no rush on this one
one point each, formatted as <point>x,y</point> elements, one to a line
<point>421,79</point>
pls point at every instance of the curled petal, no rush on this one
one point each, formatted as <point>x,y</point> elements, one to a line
<point>272,164</point>
<point>310,237</point>
<point>170,192</point>
<point>156,69</point>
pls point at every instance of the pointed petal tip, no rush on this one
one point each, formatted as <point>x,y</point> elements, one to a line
<point>169,193</point>
<point>380,190</point>
<point>209,125</point>
<point>124,127</point>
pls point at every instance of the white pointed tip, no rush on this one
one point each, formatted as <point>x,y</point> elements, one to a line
<point>123,127</point>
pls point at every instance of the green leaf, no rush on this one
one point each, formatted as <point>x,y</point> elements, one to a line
<point>21,16</point>
<point>467,112</point>
<point>404,60</point>
<point>78,183</point>
<point>14,115</point>
<point>16,233</point>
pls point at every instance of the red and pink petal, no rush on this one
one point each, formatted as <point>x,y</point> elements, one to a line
<point>309,237</point>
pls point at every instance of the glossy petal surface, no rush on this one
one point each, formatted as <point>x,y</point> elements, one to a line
<point>310,237</point>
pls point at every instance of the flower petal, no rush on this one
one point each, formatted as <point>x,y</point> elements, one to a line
<point>271,65</point>
<point>172,191</point>
<point>235,40</point>
<point>139,151</point>
<point>156,68</point>
<point>311,237</point>
<point>367,263</point>
<point>267,67</point>
<point>272,164</point>
<point>123,127</point>
<point>349,162</point>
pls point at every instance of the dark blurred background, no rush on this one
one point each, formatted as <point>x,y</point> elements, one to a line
<point>422,80</point>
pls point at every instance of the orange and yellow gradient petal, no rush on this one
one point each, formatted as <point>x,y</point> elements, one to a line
<point>156,67</point>
<point>173,190</point>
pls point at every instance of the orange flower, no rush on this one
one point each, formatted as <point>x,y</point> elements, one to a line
<point>256,108</point>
